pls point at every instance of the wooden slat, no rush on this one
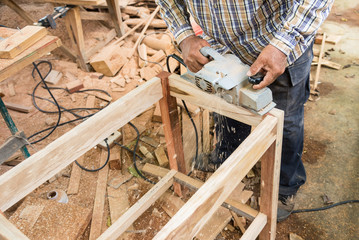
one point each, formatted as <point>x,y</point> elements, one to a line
<point>189,92</point>
<point>75,2</point>
<point>270,171</point>
<point>205,132</point>
<point>44,164</point>
<point>189,138</point>
<point>8,67</point>
<point>74,183</point>
<point>255,228</point>
<point>138,208</point>
<point>21,40</point>
<point>17,107</point>
<point>115,13</point>
<point>196,212</point>
<point>169,113</point>
<point>8,231</point>
<point>194,184</point>
<point>317,73</point>
<point>95,16</point>
<point>99,205</point>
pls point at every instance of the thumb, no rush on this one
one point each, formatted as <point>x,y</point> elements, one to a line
<point>255,68</point>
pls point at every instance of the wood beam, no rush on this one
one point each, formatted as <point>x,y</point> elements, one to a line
<point>75,31</point>
<point>195,213</point>
<point>28,175</point>
<point>270,172</point>
<point>194,184</point>
<point>187,91</point>
<point>115,13</point>
<point>255,228</point>
<point>116,229</point>
<point>172,129</point>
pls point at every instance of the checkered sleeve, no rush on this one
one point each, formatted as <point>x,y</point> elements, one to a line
<point>301,23</point>
<point>174,13</point>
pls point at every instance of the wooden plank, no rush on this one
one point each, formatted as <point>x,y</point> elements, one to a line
<point>327,63</point>
<point>333,39</point>
<point>317,73</point>
<point>142,55</point>
<point>239,208</point>
<point>20,41</point>
<point>196,212</point>
<point>18,107</point>
<point>8,231</point>
<point>75,2</point>
<point>156,117</point>
<point>74,183</point>
<point>270,172</point>
<point>255,228</point>
<point>155,43</point>
<point>53,77</point>
<point>99,205</point>
<point>85,15</point>
<point>138,208</point>
<point>206,131</point>
<point>24,178</point>
<point>161,156</point>
<point>42,47</point>
<point>7,32</point>
<point>23,14</point>
<point>189,138</point>
<point>172,130</point>
<point>156,23</point>
<point>189,92</point>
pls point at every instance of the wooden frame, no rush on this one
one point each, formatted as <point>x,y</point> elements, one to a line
<point>263,143</point>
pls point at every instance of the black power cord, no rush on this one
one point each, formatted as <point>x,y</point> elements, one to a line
<point>61,109</point>
<point>97,169</point>
<point>325,207</point>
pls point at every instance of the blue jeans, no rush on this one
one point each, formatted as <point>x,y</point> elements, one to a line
<point>290,92</point>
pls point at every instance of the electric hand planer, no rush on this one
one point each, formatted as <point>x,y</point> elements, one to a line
<point>226,76</point>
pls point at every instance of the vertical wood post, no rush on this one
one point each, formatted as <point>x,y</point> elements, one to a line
<point>270,171</point>
<point>74,28</point>
<point>172,129</point>
<point>115,13</point>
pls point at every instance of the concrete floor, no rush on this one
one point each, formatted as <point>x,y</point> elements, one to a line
<point>332,140</point>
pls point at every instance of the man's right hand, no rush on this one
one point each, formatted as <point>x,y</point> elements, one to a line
<point>192,57</point>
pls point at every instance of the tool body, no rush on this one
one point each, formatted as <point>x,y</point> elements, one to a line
<point>226,76</point>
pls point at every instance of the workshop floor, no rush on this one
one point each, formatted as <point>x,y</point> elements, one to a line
<point>331,131</point>
<point>331,151</point>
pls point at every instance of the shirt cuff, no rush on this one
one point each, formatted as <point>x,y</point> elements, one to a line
<point>285,42</point>
<point>183,32</point>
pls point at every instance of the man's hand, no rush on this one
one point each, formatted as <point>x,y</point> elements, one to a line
<point>191,55</point>
<point>271,62</point>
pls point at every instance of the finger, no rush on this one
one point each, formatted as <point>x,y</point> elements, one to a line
<point>256,67</point>
<point>267,80</point>
<point>202,59</point>
<point>194,66</point>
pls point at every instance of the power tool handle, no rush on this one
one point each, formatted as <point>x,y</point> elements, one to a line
<point>210,52</point>
<point>256,79</point>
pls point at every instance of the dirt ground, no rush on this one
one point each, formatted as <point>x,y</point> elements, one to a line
<point>331,134</point>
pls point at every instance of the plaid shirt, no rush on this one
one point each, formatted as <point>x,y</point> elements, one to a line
<point>247,26</point>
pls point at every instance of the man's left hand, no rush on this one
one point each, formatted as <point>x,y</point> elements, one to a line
<point>271,62</point>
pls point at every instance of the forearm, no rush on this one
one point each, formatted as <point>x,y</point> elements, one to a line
<point>174,13</point>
